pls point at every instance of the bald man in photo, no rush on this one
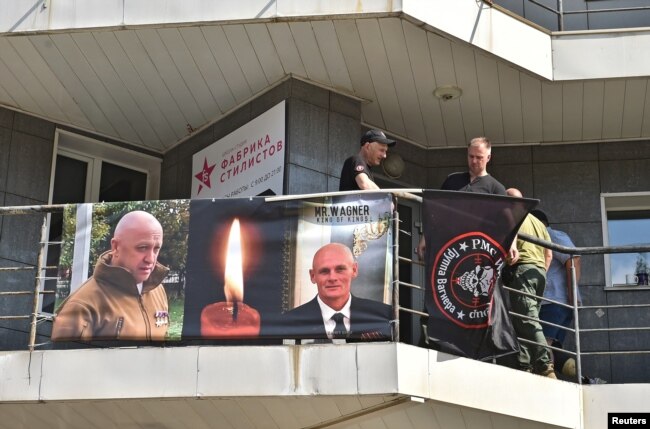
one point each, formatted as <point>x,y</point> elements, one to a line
<point>124,299</point>
<point>335,313</point>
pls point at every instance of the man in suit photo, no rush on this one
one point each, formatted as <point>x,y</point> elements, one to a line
<point>334,313</point>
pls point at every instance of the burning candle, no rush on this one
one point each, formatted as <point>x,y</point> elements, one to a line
<point>232,318</point>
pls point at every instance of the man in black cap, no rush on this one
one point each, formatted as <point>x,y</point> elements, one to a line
<point>356,174</point>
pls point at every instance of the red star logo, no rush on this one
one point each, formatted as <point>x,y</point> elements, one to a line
<point>204,175</point>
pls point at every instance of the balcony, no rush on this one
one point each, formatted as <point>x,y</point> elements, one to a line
<point>289,386</point>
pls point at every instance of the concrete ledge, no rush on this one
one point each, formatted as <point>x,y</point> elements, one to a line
<point>383,377</point>
<point>598,400</point>
<point>383,371</point>
<point>72,14</point>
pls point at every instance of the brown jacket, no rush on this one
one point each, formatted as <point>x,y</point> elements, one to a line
<point>107,307</point>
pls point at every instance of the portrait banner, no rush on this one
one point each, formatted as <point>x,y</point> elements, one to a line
<point>226,269</point>
<point>272,244</point>
<point>467,240</point>
<point>142,296</point>
<point>361,224</point>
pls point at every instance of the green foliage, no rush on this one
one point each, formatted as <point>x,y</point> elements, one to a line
<point>173,215</point>
<point>641,263</point>
<point>67,247</point>
<point>176,310</point>
<point>99,235</point>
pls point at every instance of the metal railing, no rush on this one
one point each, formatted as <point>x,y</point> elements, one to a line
<point>560,10</point>
<point>39,268</point>
<point>577,331</point>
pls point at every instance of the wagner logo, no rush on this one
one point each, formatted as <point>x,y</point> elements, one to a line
<point>464,273</point>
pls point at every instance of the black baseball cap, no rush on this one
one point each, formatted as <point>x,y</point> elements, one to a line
<point>376,136</point>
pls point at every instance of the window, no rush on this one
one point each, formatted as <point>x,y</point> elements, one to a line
<point>111,173</point>
<point>626,221</point>
<point>87,170</point>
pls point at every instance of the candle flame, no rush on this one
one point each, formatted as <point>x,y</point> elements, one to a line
<point>234,277</point>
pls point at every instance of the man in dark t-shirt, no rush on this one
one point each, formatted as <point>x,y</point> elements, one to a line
<point>480,184</point>
<point>356,174</point>
<point>477,179</point>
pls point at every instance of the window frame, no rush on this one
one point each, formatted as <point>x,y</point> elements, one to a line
<point>619,202</point>
<point>86,148</point>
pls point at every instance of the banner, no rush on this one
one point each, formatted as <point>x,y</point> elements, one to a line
<point>467,238</point>
<point>247,162</point>
<point>241,268</point>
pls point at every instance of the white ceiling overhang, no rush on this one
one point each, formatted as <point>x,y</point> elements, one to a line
<point>152,72</point>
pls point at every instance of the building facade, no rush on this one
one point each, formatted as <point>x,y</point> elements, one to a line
<point>144,88</point>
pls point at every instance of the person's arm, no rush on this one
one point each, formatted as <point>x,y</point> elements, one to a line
<point>567,265</point>
<point>364,181</point>
<point>576,264</point>
<point>513,253</point>
<point>72,322</point>
<point>548,257</point>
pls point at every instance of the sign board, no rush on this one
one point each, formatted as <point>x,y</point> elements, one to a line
<point>245,163</point>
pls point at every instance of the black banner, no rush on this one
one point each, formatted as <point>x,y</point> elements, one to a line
<point>467,239</point>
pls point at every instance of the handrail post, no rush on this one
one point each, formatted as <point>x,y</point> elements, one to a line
<point>395,282</point>
<point>37,284</point>
<point>574,288</point>
<point>560,15</point>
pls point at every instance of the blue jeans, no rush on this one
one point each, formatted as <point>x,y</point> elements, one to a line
<point>560,316</point>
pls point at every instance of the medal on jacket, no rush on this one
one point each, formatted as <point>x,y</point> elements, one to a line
<point>162,318</point>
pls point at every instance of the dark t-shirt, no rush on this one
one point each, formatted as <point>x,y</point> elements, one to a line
<point>483,184</point>
<point>353,166</point>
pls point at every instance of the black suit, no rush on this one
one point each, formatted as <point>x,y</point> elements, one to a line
<point>369,320</point>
